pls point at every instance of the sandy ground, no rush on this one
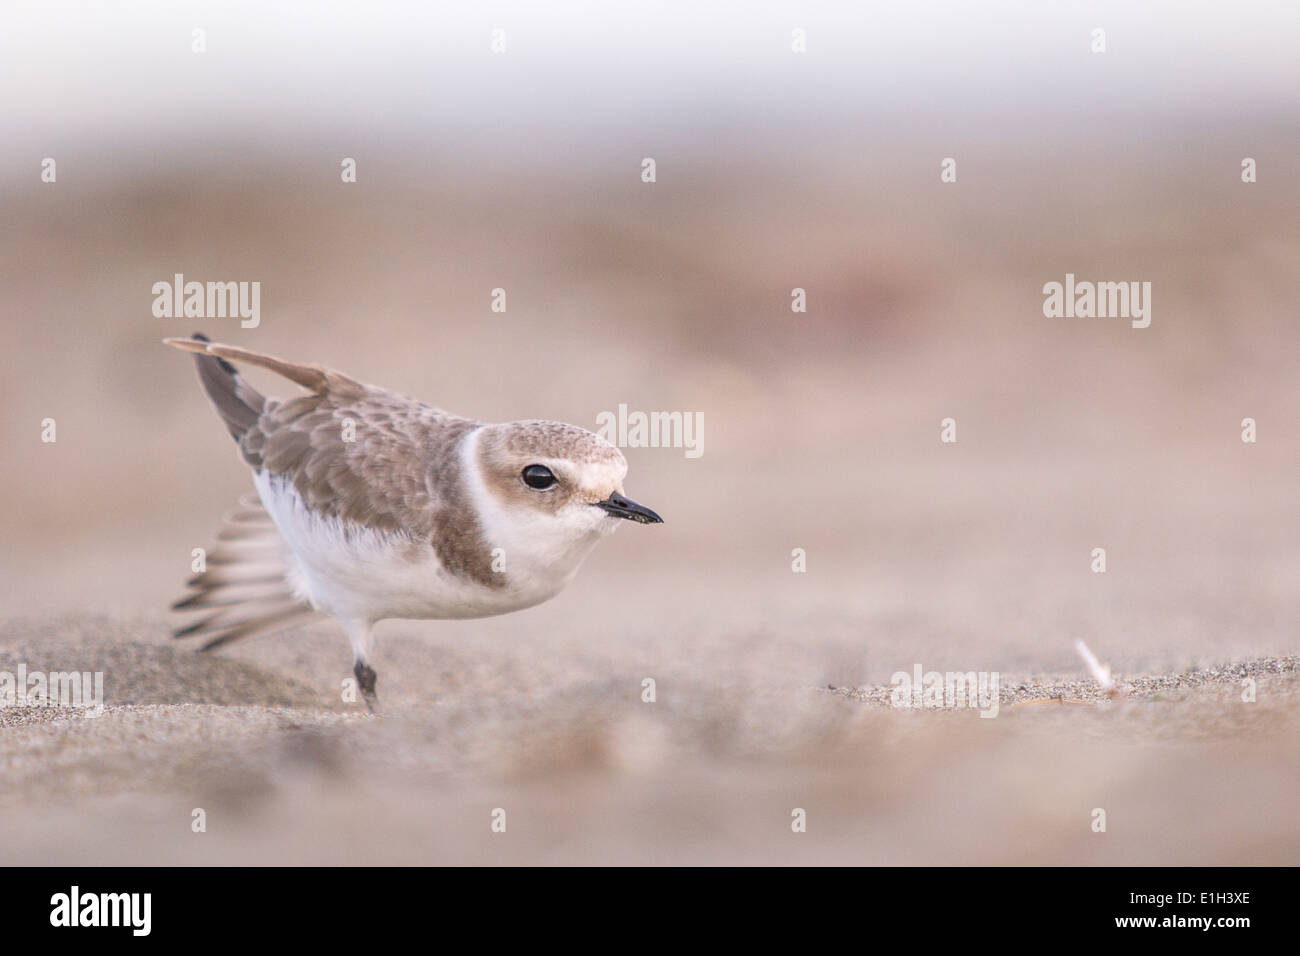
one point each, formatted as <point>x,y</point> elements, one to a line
<point>711,772</point>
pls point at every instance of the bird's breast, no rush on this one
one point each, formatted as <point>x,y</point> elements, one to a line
<point>361,573</point>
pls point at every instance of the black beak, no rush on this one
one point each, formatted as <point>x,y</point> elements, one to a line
<point>621,507</point>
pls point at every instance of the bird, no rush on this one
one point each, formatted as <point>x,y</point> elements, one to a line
<point>370,505</point>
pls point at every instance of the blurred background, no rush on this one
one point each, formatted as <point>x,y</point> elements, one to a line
<point>775,170</point>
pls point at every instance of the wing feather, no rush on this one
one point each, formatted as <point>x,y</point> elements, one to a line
<point>246,580</point>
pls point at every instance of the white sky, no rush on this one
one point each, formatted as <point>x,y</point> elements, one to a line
<point>125,73</point>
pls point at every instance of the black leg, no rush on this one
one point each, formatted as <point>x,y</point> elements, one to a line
<point>366,682</point>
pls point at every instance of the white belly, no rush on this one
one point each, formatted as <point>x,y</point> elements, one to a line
<point>359,574</point>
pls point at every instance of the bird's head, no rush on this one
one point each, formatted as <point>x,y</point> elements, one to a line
<point>557,479</point>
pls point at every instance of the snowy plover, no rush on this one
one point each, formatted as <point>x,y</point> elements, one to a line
<point>371,505</point>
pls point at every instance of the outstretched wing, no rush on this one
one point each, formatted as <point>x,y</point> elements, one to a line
<point>352,451</point>
<point>247,582</point>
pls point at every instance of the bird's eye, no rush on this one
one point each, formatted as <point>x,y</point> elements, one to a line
<point>539,477</point>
